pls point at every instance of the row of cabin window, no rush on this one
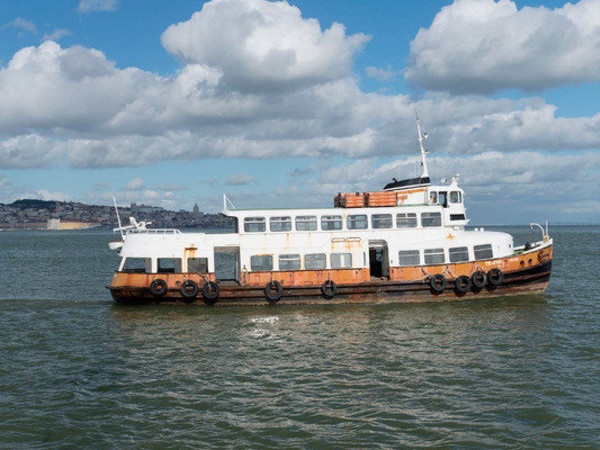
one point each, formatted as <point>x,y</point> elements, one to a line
<point>353,222</point>
<point>455,197</point>
<point>408,258</point>
<point>165,265</point>
<point>312,261</point>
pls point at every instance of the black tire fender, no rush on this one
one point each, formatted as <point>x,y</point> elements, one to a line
<point>210,292</point>
<point>479,279</point>
<point>329,289</point>
<point>273,291</point>
<point>462,284</point>
<point>438,283</point>
<point>495,277</point>
<point>158,287</point>
<point>189,290</point>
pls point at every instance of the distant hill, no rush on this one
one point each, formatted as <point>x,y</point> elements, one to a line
<point>50,205</point>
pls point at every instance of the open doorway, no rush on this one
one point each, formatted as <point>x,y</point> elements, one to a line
<point>227,264</point>
<point>379,264</point>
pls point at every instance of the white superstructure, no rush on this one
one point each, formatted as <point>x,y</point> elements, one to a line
<point>426,227</point>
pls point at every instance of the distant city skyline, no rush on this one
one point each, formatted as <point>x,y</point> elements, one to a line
<point>288,103</point>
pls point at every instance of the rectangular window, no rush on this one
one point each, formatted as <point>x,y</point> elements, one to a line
<point>443,196</point>
<point>137,265</point>
<point>381,221</point>
<point>406,220</point>
<point>455,197</point>
<point>357,222</point>
<point>315,261</point>
<point>261,262</point>
<point>341,260</point>
<point>433,198</point>
<point>483,251</point>
<point>255,225</point>
<point>434,256</point>
<point>458,254</point>
<point>409,258</point>
<point>280,224</point>
<point>289,262</point>
<point>457,217</point>
<point>331,223</point>
<point>197,265</point>
<point>433,219</point>
<point>306,223</point>
<point>169,265</point>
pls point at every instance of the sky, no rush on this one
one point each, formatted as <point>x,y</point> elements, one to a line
<point>284,104</point>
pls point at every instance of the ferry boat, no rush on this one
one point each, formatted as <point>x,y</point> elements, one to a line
<point>405,243</point>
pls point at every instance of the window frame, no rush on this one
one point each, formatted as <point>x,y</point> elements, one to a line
<point>431,215</point>
<point>458,251</point>
<point>252,269</point>
<point>341,255</point>
<point>323,259</point>
<point>146,269</point>
<point>407,217</point>
<point>255,221</point>
<point>416,253</point>
<point>307,220</point>
<point>458,197</point>
<point>205,262</point>
<point>430,253</point>
<point>280,220</point>
<point>177,264</point>
<point>476,250</point>
<point>350,219</point>
<point>379,217</point>
<point>290,257</point>
<point>332,219</point>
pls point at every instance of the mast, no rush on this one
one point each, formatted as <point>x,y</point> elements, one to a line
<point>421,139</point>
<point>118,217</point>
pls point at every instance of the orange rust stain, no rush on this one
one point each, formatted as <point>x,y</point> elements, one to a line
<point>506,264</point>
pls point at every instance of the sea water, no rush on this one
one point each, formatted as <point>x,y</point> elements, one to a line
<point>78,370</point>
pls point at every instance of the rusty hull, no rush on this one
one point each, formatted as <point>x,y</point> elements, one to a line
<point>524,274</point>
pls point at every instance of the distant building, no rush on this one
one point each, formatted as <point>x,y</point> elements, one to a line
<point>196,210</point>
<point>57,224</point>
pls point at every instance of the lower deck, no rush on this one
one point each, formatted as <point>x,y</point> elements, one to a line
<point>525,273</point>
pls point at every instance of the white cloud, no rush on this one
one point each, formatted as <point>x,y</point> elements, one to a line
<point>240,179</point>
<point>72,105</point>
<point>21,24</point>
<point>258,44</point>
<point>43,194</point>
<point>135,184</point>
<point>379,74</point>
<point>56,34</point>
<point>485,45</point>
<point>87,6</point>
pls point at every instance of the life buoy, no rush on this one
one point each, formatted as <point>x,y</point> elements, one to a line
<point>329,289</point>
<point>273,291</point>
<point>210,292</point>
<point>479,279</point>
<point>495,277</point>
<point>158,287</point>
<point>189,290</point>
<point>438,283</point>
<point>544,256</point>
<point>462,284</point>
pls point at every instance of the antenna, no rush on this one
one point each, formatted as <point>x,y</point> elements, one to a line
<point>118,218</point>
<point>421,138</point>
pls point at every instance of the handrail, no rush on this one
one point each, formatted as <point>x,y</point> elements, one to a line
<point>154,231</point>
